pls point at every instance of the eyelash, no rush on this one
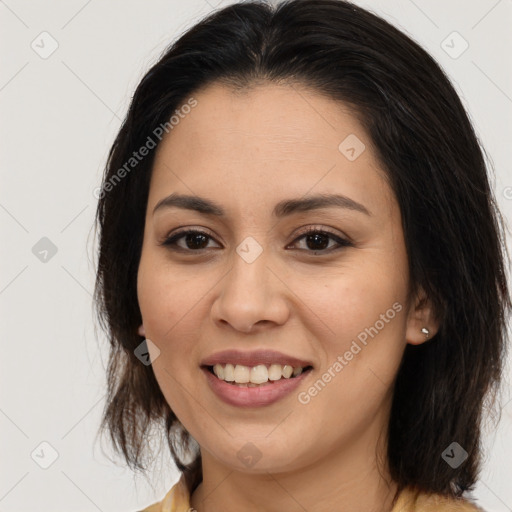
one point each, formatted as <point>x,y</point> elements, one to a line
<point>170,242</point>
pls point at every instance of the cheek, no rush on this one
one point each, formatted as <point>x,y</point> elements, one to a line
<point>164,295</point>
<point>363,309</point>
<point>154,303</point>
<point>354,299</point>
<point>167,302</point>
<point>364,347</point>
<point>173,306</point>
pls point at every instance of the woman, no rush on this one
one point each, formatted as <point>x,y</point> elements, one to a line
<point>301,268</point>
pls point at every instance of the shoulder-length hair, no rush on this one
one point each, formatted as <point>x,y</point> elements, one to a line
<point>433,161</point>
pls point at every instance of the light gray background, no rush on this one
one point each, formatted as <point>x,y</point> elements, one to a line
<point>59,116</point>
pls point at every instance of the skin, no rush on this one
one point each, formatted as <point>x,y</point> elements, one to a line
<point>248,151</point>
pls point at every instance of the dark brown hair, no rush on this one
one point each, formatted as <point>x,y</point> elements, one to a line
<point>432,158</point>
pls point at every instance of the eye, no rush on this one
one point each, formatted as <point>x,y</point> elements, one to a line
<point>317,240</point>
<point>195,240</point>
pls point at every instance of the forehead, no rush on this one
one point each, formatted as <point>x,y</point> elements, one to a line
<point>269,141</point>
<point>273,118</point>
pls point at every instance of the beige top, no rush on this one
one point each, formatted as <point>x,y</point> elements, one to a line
<point>178,500</point>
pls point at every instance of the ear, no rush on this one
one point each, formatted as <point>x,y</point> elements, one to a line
<point>141,330</point>
<point>420,316</point>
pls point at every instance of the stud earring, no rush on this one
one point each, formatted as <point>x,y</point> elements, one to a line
<point>426,332</point>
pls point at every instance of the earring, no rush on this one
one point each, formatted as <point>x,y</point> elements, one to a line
<point>426,332</point>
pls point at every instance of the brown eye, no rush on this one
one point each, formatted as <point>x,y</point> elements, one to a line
<point>318,240</point>
<point>195,240</point>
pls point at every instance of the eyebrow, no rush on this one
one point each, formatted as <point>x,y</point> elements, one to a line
<point>281,209</point>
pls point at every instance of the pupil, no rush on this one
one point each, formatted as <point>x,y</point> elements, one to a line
<point>315,237</point>
<point>195,236</point>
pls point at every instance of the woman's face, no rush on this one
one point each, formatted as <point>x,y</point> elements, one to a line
<point>334,299</point>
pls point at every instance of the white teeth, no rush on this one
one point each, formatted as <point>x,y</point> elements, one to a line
<point>229,372</point>
<point>287,371</point>
<point>275,372</point>
<point>259,374</point>
<point>242,374</point>
<point>219,371</point>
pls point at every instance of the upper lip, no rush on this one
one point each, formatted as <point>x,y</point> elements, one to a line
<point>253,358</point>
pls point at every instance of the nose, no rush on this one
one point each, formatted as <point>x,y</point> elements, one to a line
<point>251,296</point>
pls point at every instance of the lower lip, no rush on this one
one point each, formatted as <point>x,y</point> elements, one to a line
<point>256,396</point>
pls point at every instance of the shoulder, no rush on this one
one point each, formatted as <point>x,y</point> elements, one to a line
<point>176,500</point>
<point>409,500</point>
<point>416,501</point>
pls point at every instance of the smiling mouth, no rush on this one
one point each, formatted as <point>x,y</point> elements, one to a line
<point>256,376</point>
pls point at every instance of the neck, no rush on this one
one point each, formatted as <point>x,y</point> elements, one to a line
<point>348,479</point>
